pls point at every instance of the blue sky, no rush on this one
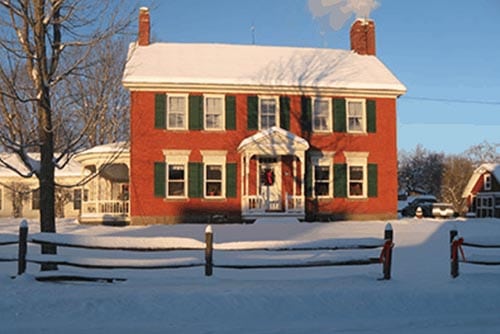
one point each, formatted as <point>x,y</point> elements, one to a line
<point>446,52</point>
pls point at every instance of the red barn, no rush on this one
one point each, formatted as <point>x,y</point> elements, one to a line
<point>232,133</point>
<point>482,192</point>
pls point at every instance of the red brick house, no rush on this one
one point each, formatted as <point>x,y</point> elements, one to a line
<point>238,132</point>
<point>483,191</point>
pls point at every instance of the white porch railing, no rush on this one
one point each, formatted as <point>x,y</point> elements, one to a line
<point>256,204</point>
<point>294,204</point>
<point>110,207</point>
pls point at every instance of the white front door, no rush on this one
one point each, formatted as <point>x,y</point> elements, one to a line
<point>270,183</point>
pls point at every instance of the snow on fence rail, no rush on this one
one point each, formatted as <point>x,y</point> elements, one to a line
<point>457,253</point>
<point>168,244</point>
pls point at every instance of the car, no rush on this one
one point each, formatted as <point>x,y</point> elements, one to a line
<point>429,206</point>
<point>442,210</point>
<point>425,202</point>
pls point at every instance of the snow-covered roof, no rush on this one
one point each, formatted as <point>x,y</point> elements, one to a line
<point>492,168</point>
<point>160,64</point>
<point>117,147</point>
<point>71,169</point>
<point>106,152</point>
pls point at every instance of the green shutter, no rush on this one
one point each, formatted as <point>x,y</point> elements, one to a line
<point>306,115</point>
<point>195,112</point>
<point>252,113</point>
<point>285,112</point>
<point>231,180</point>
<point>160,111</point>
<point>340,180</point>
<point>230,112</point>
<point>371,116</point>
<point>372,180</point>
<point>195,176</point>
<point>160,178</point>
<point>339,115</point>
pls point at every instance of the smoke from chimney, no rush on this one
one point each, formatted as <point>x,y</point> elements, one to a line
<point>338,12</point>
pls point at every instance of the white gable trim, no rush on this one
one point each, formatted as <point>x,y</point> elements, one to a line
<point>273,141</point>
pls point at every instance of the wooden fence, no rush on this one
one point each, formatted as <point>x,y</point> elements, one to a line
<point>457,253</point>
<point>209,247</point>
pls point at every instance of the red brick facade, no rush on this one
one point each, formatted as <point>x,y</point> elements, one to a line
<point>148,144</point>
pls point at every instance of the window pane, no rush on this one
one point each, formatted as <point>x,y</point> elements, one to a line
<point>355,109</point>
<point>214,172</point>
<point>175,188</point>
<point>355,189</point>
<point>321,173</point>
<point>321,189</point>
<point>176,172</point>
<point>214,189</point>
<point>356,173</point>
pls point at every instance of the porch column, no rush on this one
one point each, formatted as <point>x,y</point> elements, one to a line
<point>294,167</point>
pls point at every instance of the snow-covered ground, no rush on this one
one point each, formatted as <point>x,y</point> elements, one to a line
<point>421,297</point>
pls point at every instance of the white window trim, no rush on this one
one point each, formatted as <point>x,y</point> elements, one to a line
<point>214,158</point>
<point>323,159</point>
<point>186,111</point>
<point>357,159</point>
<point>487,181</point>
<point>363,112</point>
<point>277,100</point>
<point>177,157</point>
<point>1,197</point>
<point>330,114</point>
<point>223,113</point>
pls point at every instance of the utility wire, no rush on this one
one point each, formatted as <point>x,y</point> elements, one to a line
<point>436,99</point>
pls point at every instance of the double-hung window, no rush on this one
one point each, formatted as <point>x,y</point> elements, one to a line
<point>322,115</point>
<point>268,112</point>
<point>323,174</point>
<point>214,112</point>
<point>35,199</point>
<point>356,115</point>
<point>176,180</point>
<point>177,106</point>
<point>357,176</point>
<point>487,181</point>
<point>176,173</point>
<point>214,171</point>
<point>213,180</point>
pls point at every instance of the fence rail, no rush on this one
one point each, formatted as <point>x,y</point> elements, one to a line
<point>457,253</point>
<point>187,244</point>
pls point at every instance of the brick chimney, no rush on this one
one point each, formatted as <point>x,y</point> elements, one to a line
<point>363,37</point>
<point>144,27</point>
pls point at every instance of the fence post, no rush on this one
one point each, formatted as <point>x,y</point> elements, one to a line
<point>388,237</point>
<point>454,253</point>
<point>23,246</point>
<point>209,247</point>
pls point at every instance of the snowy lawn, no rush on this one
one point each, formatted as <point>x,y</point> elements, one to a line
<point>420,298</point>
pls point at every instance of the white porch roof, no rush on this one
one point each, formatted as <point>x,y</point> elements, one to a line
<point>273,141</point>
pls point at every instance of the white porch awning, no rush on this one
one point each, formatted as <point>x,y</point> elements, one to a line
<point>272,142</point>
